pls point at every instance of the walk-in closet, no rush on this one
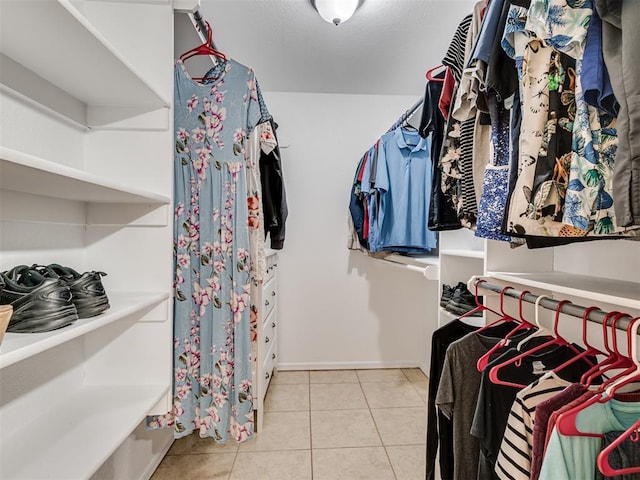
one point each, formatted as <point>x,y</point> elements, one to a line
<point>319,239</point>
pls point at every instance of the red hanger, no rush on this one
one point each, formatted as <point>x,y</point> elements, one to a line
<point>605,467</point>
<point>566,422</point>
<point>615,360</point>
<point>589,351</point>
<point>480,307</point>
<point>430,76</point>
<point>204,49</point>
<point>558,340</point>
<point>589,373</point>
<point>483,361</point>
<point>632,373</point>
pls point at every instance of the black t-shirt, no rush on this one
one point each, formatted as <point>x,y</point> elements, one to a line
<point>439,427</point>
<point>494,401</point>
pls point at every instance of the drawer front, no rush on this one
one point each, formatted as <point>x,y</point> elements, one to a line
<point>270,361</point>
<point>268,332</point>
<point>269,294</point>
<point>272,265</point>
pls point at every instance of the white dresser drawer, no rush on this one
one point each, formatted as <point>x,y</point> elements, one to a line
<point>272,265</point>
<point>268,332</point>
<point>270,361</point>
<point>269,293</point>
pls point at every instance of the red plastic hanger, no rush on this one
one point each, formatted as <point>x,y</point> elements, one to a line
<point>590,351</point>
<point>430,75</point>
<point>566,422</point>
<point>615,360</point>
<point>204,49</point>
<point>632,373</point>
<point>605,336</point>
<point>480,307</point>
<point>483,361</point>
<point>557,340</point>
<point>605,467</point>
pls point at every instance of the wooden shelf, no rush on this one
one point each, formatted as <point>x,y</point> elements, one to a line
<point>98,418</point>
<point>464,253</point>
<point>616,292</point>
<point>20,346</point>
<point>26,173</point>
<point>90,68</point>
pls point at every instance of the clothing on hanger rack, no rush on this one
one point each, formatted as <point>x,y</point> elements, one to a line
<point>502,435</point>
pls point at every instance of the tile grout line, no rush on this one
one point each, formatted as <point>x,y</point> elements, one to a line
<point>377,429</point>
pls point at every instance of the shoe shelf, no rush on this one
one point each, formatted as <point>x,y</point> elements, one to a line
<point>20,346</point>
<point>595,289</point>
<point>90,67</point>
<point>77,433</point>
<point>464,253</point>
<point>26,173</point>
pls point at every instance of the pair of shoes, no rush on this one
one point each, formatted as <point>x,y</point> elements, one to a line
<point>87,292</point>
<point>461,301</point>
<point>51,297</point>
<point>447,293</point>
<point>39,304</point>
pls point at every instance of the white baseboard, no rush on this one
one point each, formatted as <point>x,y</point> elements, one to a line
<point>348,365</point>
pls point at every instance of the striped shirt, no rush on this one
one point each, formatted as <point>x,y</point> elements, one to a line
<point>514,459</point>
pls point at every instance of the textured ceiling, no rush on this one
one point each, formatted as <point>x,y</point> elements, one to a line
<point>384,49</point>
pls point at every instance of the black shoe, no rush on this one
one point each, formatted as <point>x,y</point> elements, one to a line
<point>463,301</point>
<point>447,293</point>
<point>87,291</point>
<point>39,304</point>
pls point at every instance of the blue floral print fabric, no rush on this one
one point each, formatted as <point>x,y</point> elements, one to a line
<point>213,392</point>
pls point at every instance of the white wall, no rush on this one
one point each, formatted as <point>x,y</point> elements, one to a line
<point>337,308</point>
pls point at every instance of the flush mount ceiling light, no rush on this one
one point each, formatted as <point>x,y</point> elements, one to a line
<point>336,11</point>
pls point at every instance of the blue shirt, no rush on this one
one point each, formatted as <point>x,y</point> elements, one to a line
<point>403,180</point>
<point>596,84</point>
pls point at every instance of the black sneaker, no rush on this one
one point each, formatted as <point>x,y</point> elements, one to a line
<point>447,293</point>
<point>87,291</point>
<point>39,304</point>
<point>463,301</point>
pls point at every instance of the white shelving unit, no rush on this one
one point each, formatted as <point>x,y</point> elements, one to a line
<point>617,292</point>
<point>93,419</point>
<point>21,172</point>
<point>17,347</point>
<point>84,63</point>
<point>587,274</point>
<point>85,180</point>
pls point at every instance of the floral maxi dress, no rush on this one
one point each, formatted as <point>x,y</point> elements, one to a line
<point>213,390</point>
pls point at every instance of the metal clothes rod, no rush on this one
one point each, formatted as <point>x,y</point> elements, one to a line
<point>572,309</point>
<point>202,26</point>
<point>406,115</point>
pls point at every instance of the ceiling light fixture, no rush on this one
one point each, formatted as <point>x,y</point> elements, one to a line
<point>336,11</point>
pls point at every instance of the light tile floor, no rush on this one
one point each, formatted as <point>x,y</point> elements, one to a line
<point>321,425</point>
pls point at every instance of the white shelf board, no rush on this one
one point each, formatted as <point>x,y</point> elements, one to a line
<point>464,253</point>
<point>81,431</point>
<point>595,289</point>
<point>90,70</point>
<point>20,346</point>
<point>27,173</point>
<point>422,261</point>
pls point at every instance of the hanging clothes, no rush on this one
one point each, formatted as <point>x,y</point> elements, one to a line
<point>569,457</point>
<point>274,197</point>
<point>212,344</point>
<point>403,176</point>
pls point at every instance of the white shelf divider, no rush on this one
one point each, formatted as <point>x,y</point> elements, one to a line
<point>464,253</point>
<point>27,173</point>
<point>616,292</point>
<point>90,67</point>
<point>96,418</point>
<point>20,346</point>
